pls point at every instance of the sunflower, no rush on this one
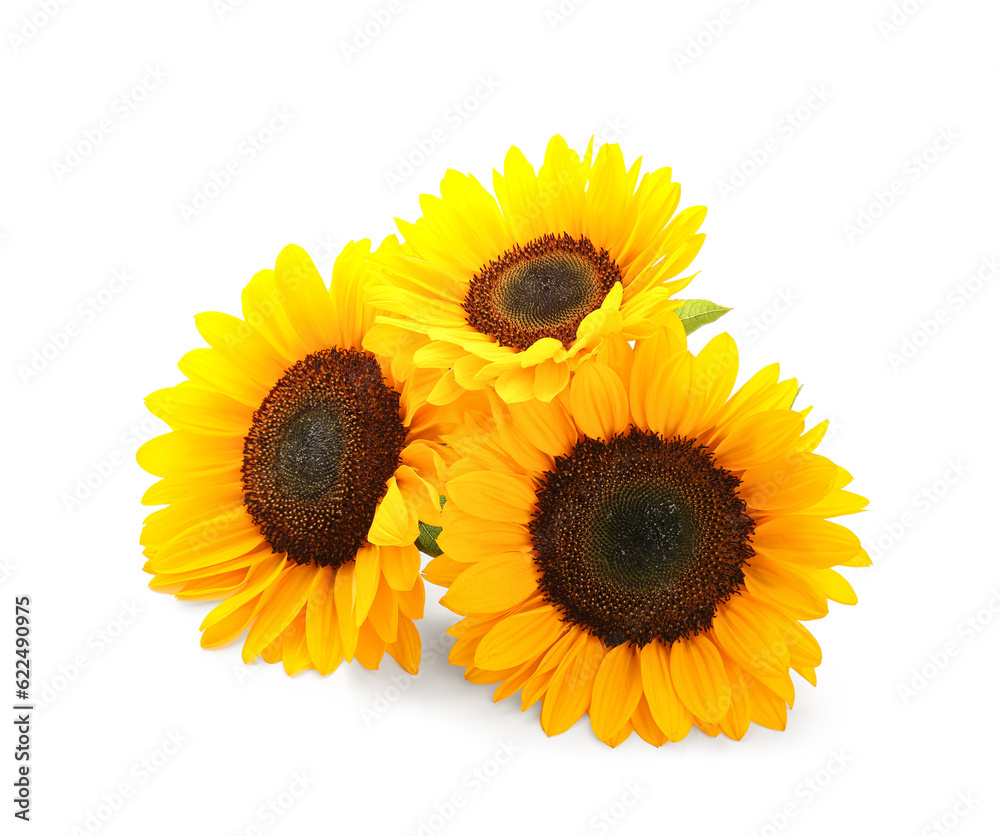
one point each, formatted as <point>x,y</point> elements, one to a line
<point>644,547</point>
<point>514,292</point>
<point>295,475</point>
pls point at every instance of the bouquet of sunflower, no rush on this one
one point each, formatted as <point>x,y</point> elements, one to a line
<point>507,387</point>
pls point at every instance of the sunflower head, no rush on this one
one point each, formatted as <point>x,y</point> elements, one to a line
<point>295,473</point>
<point>513,290</point>
<point>644,547</point>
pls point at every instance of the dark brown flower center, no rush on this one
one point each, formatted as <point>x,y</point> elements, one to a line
<point>640,538</point>
<point>543,289</point>
<point>318,455</point>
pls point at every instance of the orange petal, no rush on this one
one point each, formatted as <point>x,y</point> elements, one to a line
<point>699,676</point>
<point>600,405</point>
<point>400,566</point>
<point>493,585</point>
<point>283,602</point>
<point>617,690</point>
<point>759,438</point>
<point>670,714</point>
<point>520,637</point>
<point>502,497</point>
<point>322,632</point>
<point>571,685</point>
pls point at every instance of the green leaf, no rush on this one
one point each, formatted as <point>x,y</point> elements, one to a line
<point>697,312</point>
<point>427,541</point>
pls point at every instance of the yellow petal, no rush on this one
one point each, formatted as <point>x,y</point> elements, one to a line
<point>737,720</point>
<point>343,597</point>
<point>758,438</point>
<point>617,690</point>
<point>178,452</point>
<point>411,601</point>
<point>645,726</point>
<point>766,708</point>
<point>400,566</point>
<point>283,602</point>
<point>792,482</point>
<point>502,497</point>
<point>493,585</point>
<point>371,646</point>
<point>366,579</point>
<point>699,677</point>
<point>834,586</point>
<point>671,715</point>
<point>225,630</point>
<point>600,405</point>
<point>322,632</point>
<point>649,357</point>
<point>306,298</point>
<point>210,542</point>
<point>394,524</point>
<point>516,385</point>
<point>353,317</point>
<point>520,637</point>
<point>384,614</point>
<point>468,539</point>
<point>260,578</point>
<point>406,649</point>
<point>294,649</point>
<point>806,541</point>
<point>192,408</point>
<point>570,686</point>
<point>443,571</point>
<point>211,369</point>
<point>549,426</point>
<point>781,586</point>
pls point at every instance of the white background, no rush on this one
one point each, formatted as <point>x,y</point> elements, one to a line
<point>377,760</point>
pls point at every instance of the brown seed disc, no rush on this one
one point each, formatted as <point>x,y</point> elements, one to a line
<point>640,538</point>
<point>543,289</point>
<point>319,452</point>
